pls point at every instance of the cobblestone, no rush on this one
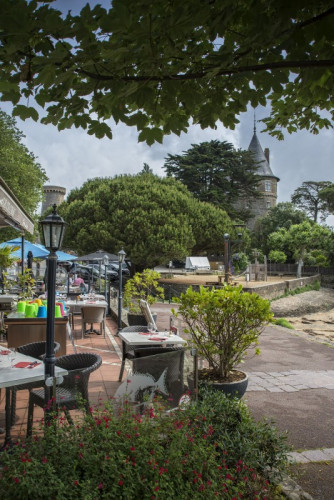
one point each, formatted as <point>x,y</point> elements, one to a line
<point>291,381</point>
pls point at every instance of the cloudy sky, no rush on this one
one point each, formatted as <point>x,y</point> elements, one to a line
<point>71,157</point>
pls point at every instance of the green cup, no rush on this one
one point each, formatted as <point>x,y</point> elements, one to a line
<point>30,311</point>
<point>58,312</point>
<point>21,306</point>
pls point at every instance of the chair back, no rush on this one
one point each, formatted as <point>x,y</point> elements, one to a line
<point>92,314</point>
<point>36,349</point>
<point>79,367</point>
<point>146,311</point>
<point>155,361</point>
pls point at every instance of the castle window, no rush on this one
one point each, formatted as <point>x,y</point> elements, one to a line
<point>267,186</point>
<point>268,204</point>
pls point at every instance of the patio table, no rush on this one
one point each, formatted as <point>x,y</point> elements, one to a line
<point>147,339</point>
<point>75,306</point>
<point>11,376</point>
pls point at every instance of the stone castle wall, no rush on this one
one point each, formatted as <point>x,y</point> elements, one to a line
<point>53,195</point>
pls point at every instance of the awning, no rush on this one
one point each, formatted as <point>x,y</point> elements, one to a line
<point>11,211</point>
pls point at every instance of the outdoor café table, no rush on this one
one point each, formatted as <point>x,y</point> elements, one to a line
<point>75,306</point>
<point>147,339</point>
<point>11,376</point>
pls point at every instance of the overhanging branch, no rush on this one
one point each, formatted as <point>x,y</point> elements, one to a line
<point>203,74</point>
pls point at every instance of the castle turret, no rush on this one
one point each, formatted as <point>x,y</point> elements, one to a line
<point>267,186</point>
<point>53,195</point>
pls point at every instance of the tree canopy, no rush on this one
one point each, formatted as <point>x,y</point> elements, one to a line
<point>307,198</point>
<point>154,219</point>
<point>19,169</point>
<point>160,65</point>
<point>284,215</point>
<point>217,173</point>
<point>327,195</point>
<point>302,239</point>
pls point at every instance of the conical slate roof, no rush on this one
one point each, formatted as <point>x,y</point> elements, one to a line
<point>262,162</point>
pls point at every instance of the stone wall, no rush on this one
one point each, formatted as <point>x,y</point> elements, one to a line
<point>268,291</point>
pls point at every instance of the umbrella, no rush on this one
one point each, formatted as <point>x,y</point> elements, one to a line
<point>39,251</point>
<point>98,255</point>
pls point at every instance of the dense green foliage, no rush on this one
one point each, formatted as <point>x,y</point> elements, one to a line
<point>211,449</point>
<point>283,215</point>
<point>301,239</point>
<point>155,220</point>
<point>217,173</point>
<point>277,256</point>
<point>222,324</point>
<point>307,198</point>
<point>327,194</point>
<point>19,169</point>
<point>144,286</point>
<point>157,65</point>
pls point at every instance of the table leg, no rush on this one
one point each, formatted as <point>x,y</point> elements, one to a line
<point>123,362</point>
<point>8,440</point>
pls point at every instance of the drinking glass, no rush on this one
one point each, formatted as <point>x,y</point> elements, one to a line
<point>12,356</point>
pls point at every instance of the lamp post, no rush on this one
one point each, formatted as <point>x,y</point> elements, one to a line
<point>226,256</point>
<point>53,227</point>
<point>105,263</point>
<point>121,257</point>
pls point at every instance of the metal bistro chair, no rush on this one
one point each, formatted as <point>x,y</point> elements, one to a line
<point>91,315</point>
<point>166,362</point>
<point>128,351</point>
<point>35,350</point>
<point>79,367</point>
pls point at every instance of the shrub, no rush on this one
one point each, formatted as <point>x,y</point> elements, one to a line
<point>277,256</point>
<point>222,324</point>
<point>212,449</point>
<point>144,286</point>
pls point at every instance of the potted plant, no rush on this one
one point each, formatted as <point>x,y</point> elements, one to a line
<point>222,325</point>
<point>144,285</point>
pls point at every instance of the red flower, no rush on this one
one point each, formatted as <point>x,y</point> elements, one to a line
<point>100,486</point>
<point>44,460</point>
<point>76,482</point>
<point>16,479</point>
<point>120,482</point>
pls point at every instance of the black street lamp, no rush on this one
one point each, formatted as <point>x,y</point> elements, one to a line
<point>121,257</point>
<point>53,227</point>
<point>105,263</point>
<point>226,256</point>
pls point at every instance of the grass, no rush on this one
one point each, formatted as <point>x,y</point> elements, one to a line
<point>282,322</point>
<point>302,289</point>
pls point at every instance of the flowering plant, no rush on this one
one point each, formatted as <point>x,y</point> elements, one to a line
<point>211,449</point>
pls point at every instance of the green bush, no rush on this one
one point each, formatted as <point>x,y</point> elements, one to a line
<point>144,286</point>
<point>223,324</point>
<point>277,256</point>
<point>211,449</point>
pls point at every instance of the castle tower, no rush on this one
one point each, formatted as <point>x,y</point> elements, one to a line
<point>53,194</point>
<point>267,186</point>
